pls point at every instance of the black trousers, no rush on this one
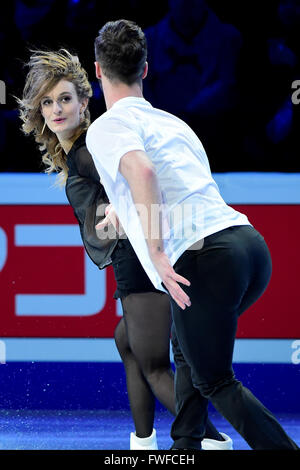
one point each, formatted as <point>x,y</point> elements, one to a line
<point>229,273</point>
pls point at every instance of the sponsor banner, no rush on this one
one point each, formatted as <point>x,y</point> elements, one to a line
<point>51,289</point>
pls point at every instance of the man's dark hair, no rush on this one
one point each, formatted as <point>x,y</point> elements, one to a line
<point>121,50</point>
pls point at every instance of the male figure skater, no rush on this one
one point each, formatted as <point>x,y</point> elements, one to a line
<point>148,158</point>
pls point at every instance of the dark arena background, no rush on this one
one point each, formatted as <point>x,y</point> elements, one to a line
<point>231,70</point>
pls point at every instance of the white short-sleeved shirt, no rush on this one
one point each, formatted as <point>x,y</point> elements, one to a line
<point>193,206</point>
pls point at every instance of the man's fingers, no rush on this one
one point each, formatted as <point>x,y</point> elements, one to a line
<point>181,279</point>
<point>177,292</point>
<point>178,301</point>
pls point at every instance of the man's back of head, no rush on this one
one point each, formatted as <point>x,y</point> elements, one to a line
<point>121,51</point>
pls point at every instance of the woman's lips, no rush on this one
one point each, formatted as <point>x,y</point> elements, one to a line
<point>59,120</point>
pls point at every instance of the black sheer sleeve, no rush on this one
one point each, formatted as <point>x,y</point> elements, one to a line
<point>88,198</point>
<point>85,164</point>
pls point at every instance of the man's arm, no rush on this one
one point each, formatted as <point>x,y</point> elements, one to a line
<point>140,174</point>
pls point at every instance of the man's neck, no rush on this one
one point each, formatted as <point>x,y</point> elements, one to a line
<point>114,93</point>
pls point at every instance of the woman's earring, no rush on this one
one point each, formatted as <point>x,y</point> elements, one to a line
<point>81,116</point>
<point>43,128</point>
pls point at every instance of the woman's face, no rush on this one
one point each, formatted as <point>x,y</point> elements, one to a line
<point>62,110</point>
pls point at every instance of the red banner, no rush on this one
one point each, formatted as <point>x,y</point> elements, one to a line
<point>33,270</point>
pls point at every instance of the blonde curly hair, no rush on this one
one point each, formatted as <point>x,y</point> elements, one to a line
<point>46,69</point>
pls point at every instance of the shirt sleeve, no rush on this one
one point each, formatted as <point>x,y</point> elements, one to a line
<point>108,140</point>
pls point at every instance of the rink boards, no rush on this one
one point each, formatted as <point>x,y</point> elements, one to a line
<point>58,314</point>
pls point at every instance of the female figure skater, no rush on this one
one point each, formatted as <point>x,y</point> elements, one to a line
<point>54,108</point>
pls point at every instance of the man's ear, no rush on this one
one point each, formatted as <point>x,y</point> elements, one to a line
<point>98,70</point>
<point>145,70</point>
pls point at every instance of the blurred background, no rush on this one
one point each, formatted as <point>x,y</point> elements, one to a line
<point>227,68</point>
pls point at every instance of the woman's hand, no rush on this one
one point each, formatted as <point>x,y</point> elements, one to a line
<point>111,218</point>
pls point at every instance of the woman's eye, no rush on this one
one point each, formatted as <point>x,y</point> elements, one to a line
<point>66,99</point>
<point>45,103</point>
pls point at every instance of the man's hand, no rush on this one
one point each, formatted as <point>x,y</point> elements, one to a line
<point>111,218</point>
<point>170,279</point>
